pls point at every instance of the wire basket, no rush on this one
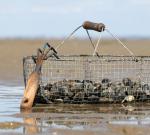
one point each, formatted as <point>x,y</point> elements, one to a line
<point>92,79</point>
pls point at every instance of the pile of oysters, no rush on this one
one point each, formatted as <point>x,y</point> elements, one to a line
<point>86,91</point>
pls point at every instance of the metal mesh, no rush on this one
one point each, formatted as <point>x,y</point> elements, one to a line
<point>88,79</point>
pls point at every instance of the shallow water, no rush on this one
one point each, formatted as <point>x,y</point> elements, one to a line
<point>65,118</point>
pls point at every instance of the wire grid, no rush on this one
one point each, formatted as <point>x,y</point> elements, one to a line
<point>94,69</point>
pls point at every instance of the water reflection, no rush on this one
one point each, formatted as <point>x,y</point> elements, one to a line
<point>30,123</point>
<point>83,117</point>
<point>49,118</point>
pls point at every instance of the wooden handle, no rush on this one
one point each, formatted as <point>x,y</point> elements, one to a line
<point>93,26</point>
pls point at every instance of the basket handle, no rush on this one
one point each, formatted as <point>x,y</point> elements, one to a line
<point>93,26</point>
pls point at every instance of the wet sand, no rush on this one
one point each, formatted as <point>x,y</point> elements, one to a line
<point>81,119</point>
<point>13,51</point>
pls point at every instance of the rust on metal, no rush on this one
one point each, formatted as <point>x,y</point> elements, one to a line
<point>93,26</point>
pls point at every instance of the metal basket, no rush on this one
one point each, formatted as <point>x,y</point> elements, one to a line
<point>92,79</point>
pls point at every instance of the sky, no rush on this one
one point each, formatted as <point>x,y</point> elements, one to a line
<point>58,18</point>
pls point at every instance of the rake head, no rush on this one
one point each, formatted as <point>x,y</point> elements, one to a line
<point>44,53</point>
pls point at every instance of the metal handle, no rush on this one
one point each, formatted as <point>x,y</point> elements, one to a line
<point>93,26</point>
